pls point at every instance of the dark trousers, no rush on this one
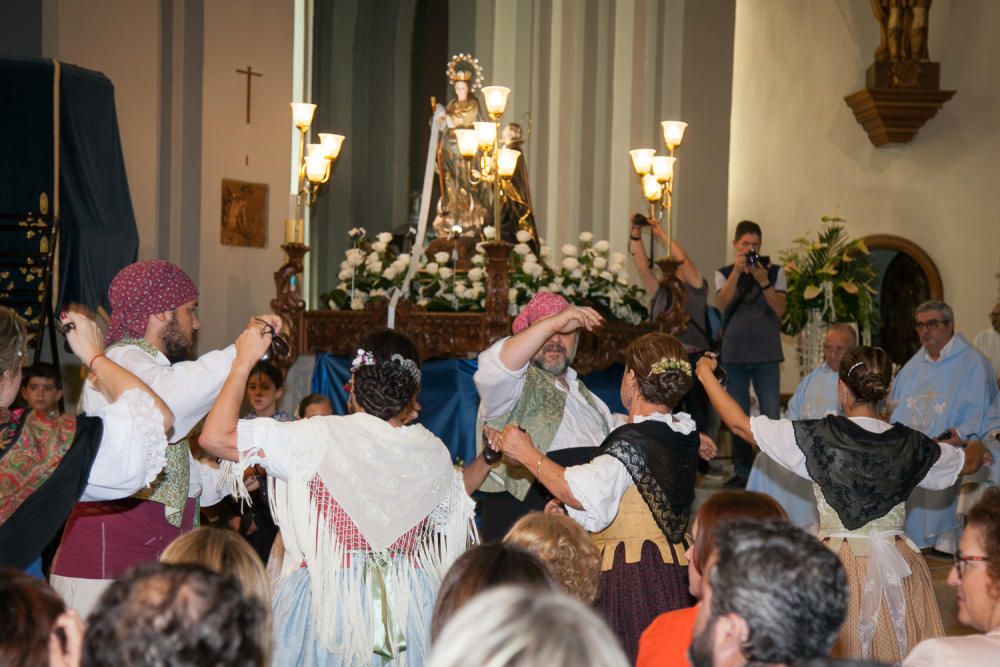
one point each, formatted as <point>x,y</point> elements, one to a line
<point>766,378</point>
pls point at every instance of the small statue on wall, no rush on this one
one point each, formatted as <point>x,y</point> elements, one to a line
<point>903,29</point>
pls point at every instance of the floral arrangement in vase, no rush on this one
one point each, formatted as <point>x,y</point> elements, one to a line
<point>829,280</point>
<point>586,275</point>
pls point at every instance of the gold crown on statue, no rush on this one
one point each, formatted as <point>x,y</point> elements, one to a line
<point>664,364</point>
<point>471,71</point>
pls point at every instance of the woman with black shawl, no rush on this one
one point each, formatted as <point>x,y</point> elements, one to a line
<point>863,469</point>
<point>635,495</point>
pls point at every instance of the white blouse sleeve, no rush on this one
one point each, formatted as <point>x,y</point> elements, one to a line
<point>499,387</point>
<point>265,442</point>
<point>599,486</point>
<point>133,447</point>
<point>945,472</point>
<point>776,438</point>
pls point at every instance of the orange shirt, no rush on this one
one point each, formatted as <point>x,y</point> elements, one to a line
<point>666,641</point>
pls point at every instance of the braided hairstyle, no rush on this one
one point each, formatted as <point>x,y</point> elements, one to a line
<point>384,389</point>
<point>867,372</point>
<point>662,387</point>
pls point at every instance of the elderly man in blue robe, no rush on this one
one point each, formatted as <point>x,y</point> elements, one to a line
<point>814,398</point>
<point>945,391</point>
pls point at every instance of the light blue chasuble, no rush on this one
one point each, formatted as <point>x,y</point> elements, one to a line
<point>931,396</point>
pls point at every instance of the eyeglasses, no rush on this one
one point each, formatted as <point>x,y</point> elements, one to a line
<point>961,562</point>
<point>279,346</point>
<point>929,324</point>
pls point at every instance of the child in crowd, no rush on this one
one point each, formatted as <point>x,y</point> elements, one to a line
<point>264,390</point>
<point>314,405</point>
<point>42,388</point>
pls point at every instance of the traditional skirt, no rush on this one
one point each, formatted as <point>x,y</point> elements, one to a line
<point>923,619</point>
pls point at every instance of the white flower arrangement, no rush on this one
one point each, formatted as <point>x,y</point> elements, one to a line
<point>588,274</point>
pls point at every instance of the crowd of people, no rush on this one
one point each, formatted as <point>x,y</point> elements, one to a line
<point>570,539</point>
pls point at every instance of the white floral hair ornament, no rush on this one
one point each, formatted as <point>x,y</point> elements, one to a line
<point>362,358</point>
<point>664,364</point>
<point>408,365</point>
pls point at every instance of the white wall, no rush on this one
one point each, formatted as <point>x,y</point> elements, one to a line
<point>797,153</point>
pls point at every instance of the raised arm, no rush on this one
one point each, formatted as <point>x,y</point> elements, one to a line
<point>518,350</point>
<point>729,410</point>
<point>649,281</point>
<point>218,437</point>
<point>86,340</point>
<point>725,294</point>
<point>517,445</point>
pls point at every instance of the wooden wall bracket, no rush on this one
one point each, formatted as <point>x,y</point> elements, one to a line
<point>893,115</point>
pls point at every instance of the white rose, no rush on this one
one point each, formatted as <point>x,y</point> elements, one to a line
<point>444,272</point>
<point>570,263</point>
<point>616,268</point>
<point>600,263</point>
<point>569,291</point>
<point>431,268</point>
<point>577,273</point>
<point>607,275</point>
<point>378,246</point>
<point>535,270</point>
<point>357,304</point>
<point>403,258</point>
<point>421,302</point>
<point>376,293</point>
<point>384,237</point>
<point>442,257</point>
<point>522,249</point>
<point>345,274</point>
<point>586,237</point>
<point>530,258</point>
<point>478,260</point>
<point>523,236</point>
<point>342,286</point>
<point>390,273</point>
<point>460,291</point>
<point>375,267</point>
<point>355,257</point>
<point>512,294</point>
<point>489,232</point>
<point>570,250</point>
<point>475,275</point>
<point>602,246</point>
<point>617,258</point>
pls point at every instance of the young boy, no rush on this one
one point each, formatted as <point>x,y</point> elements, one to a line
<point>42,388</point>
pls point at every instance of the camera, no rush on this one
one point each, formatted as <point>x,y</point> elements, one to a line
<point>753,259</point>
<point>639,220</point>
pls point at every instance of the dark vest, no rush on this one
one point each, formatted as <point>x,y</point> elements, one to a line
<point>752,333</point>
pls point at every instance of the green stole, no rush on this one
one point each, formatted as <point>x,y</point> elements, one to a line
<point>170,488</point>
<point>539,411</point>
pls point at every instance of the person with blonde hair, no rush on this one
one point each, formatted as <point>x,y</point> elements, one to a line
<point>565,548</point>
<point>515,626</point>
<point>225,552</point>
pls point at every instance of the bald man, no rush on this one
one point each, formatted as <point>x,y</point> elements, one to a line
<point>814,398</point>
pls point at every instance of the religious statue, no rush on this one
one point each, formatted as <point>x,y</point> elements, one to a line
<point>902,29</point>
<point>516,212</point>
<point>464,201</point>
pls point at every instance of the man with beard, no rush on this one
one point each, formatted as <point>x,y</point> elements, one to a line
<point>773,595</point>
<point>151,333</point>
<point>527,379</point>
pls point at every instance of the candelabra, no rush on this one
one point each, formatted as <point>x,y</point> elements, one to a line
<point>657,175</point>
<point>316,163</point>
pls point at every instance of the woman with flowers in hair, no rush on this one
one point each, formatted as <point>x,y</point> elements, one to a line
<point>371,510</point>
<point>863,469</point>
<point>635,495</point>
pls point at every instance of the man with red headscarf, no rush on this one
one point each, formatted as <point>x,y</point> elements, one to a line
<point>526,378</point>
<point>151,333</point>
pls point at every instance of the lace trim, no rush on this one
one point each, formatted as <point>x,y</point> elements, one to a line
<point>147,429</point>
<point>672,524</point>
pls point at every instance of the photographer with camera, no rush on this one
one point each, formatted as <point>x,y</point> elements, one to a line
<point>751,293</point>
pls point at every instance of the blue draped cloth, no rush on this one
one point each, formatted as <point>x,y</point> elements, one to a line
<point>448,399</point>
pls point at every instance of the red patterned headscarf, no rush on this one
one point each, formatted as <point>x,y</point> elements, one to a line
<point>541,305</point>
<point>143,289</point>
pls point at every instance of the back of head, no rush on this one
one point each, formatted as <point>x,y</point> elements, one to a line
<point>565,547</point>
<point>789,589</point>
<point>28,610</point>
<point>178,615</point>
<point>730,506</point>
<point>386,373</point>
<point>985,515</point>
<point>661,368</point>
<point>13,341</point>
<point>513,626</point>
<point>867,372</point>
<point>224,552</point>
<point>484,567</point>
<point>309,400</point>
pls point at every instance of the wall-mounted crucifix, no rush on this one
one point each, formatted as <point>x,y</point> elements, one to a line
<point>249,73</point>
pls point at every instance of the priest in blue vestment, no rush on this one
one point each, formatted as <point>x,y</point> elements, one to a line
<point>947,384</point>
<point>814,398</point>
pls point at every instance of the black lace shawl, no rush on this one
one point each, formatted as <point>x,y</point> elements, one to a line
<point>862,474</point>
<point>664,466</point>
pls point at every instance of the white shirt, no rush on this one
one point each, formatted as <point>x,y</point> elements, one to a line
<point>188,388</point>
<point>600,484</point>
<point>500,388</point>
<point>776,438</point>
<point>987,341</point>
<point>968,651</point>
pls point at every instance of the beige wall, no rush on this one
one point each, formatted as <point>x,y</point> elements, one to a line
<point>797,152</point>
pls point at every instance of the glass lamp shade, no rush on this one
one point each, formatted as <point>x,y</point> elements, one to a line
<point>642,160</point>
<point>302,114</point>
<point>496,99</point>
<point>673,132</point>
<point>486,132</point>
<point>507,161</point>
<point>651,188</point>
<point>315,150</point>
<point>317,168</point>
<point>331,144</point>
<point>663,168</point>
<point>468,143</point>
